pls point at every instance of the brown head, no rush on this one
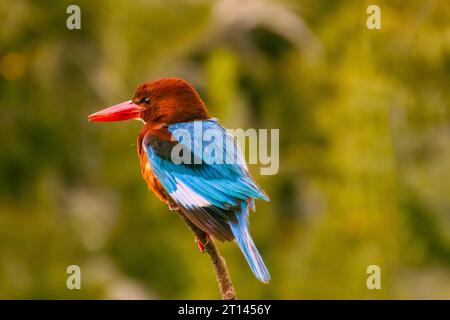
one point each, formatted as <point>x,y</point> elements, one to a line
<point>158,102</point>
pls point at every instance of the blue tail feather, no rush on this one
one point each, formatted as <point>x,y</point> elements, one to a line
<point>247,246</point>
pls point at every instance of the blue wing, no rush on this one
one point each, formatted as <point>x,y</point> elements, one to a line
<point>209,181</point>
<point>194,184</point>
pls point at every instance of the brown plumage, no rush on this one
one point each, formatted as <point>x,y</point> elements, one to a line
<point>171,100</point>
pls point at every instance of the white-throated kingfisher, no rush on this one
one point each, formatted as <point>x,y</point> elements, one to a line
<point>215,196</point>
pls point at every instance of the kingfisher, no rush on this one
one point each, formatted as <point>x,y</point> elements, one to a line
<point>216,196</point>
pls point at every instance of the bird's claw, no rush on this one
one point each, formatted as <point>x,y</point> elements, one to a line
<point>173,206</point>
<point>200,244</point>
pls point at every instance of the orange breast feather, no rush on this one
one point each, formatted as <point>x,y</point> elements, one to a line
<point>149,177</point>
<point>146,169</point>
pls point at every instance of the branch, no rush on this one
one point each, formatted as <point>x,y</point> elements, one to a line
<point>220,267</point>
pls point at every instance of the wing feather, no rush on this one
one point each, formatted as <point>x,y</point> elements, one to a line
<point>209,194</point>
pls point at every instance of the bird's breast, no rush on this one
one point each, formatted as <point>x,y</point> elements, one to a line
<point>152,181</point>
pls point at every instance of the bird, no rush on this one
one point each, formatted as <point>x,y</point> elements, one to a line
<point>216,196</point>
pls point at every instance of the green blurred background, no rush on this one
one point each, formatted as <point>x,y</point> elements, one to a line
<point>364,146</point>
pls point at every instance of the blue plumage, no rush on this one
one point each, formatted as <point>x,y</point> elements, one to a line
<point>247,246</point>
<point>214,196</point>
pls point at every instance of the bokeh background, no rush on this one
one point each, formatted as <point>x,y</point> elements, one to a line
<point>364,146</point>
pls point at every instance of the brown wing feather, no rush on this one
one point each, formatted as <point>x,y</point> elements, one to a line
<point>210,221</point>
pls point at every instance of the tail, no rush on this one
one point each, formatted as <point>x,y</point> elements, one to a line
<point>248,248</point>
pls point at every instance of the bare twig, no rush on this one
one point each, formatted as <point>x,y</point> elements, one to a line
<point>220,267</point>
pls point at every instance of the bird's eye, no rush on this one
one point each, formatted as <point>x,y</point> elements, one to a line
<point>144,100</point>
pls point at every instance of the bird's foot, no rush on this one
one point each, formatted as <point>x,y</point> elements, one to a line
<point>173,206</point>
<point>200,244</point>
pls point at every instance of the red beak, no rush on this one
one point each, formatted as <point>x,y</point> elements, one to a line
<point>122,111</point>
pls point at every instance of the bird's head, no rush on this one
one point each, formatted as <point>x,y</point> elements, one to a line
<point>158,102</point>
